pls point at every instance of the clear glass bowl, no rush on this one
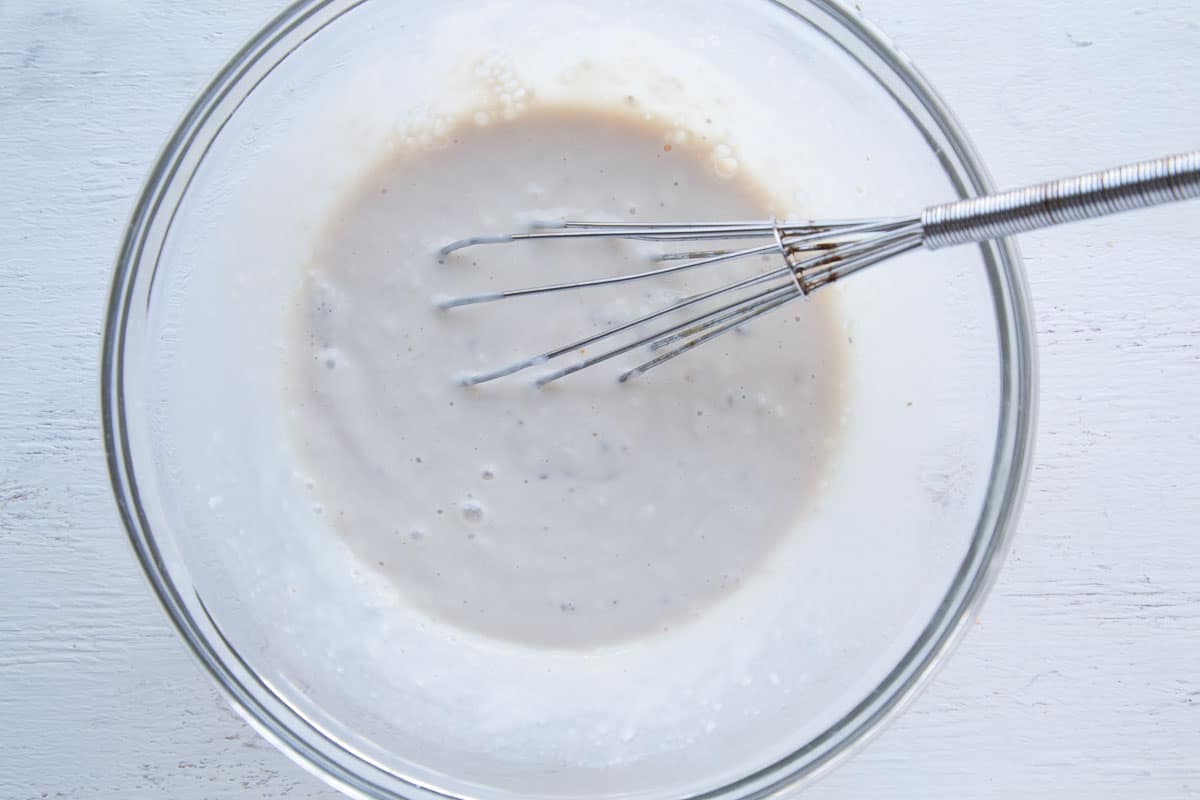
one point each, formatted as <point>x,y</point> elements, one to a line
<point>919,508</point>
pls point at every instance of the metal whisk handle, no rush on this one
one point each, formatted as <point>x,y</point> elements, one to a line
<point>1097,194</point>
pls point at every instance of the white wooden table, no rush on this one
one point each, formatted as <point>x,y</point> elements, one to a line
<point>1082,676</point>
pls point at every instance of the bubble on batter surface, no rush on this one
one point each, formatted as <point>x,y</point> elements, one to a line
<point>471,511</point>
<point>328,357</point>
<point>723,161</point>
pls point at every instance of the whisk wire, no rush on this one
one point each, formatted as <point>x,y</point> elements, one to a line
<point>622,327</point>
<point>820,275</point>
<point>825,269</point>
<point>887,236</point>
<point>609,281</point>
<point>756,310</point>
<point>647,339</point>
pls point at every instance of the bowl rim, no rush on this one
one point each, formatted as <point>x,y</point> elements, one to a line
<point>318,751</point>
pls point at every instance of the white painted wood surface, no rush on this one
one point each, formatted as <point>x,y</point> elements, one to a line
<point>1081,677</point>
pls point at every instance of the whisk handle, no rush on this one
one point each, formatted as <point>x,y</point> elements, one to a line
<point>1097,194</point>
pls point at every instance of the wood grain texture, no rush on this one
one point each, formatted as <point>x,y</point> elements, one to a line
<point>1080,678</point>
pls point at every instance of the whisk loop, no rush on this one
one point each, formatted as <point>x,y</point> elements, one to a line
<point>814,254</point>
<point>794,278</point>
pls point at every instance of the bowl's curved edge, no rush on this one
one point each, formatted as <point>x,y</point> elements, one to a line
<point>863,722</point>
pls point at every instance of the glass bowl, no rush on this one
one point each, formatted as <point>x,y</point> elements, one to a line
<point>914,516</point>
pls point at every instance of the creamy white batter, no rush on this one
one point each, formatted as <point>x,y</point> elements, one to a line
<point>588,512</point>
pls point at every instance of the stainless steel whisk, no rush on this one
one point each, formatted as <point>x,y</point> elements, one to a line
<point>817,253</point>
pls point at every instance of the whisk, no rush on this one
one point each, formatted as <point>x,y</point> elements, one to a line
<point>817,253</point>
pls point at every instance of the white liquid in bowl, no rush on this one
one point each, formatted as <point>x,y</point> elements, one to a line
<point>798,571</point>
<point>587,512</point>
